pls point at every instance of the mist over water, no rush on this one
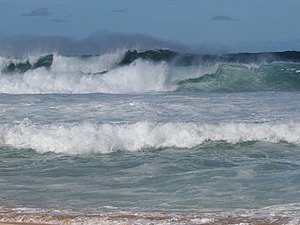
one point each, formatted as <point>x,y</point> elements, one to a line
<point>97,43</point>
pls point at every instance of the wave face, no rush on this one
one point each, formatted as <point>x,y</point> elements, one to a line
<point>159,70</point>
<point>241,78</point>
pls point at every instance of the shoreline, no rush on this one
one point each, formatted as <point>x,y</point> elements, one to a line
<point>48,218</point>
<point>16,223</point>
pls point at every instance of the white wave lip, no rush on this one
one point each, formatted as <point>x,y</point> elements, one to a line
<point>88,64</point>
<point>138,77</point>
<point>106,138</point>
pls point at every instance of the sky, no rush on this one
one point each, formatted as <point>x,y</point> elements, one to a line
<point>204,25</point>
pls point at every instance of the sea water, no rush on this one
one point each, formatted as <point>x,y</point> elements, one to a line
<point>97,139</point>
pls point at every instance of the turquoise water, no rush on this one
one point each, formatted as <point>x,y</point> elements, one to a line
<point>214,176</point>
<point>150,147</point>
<point>216,151</point>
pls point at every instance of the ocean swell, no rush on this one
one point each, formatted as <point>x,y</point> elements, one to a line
<point>145,71</point>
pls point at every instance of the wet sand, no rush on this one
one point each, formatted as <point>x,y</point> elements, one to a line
<point>38,219</point>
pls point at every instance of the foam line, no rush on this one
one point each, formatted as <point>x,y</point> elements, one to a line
<point>106,138</point>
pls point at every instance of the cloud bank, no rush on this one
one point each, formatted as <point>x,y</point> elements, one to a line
<point>57,20</point>
<point>221,17</point>
<point>38,12</point>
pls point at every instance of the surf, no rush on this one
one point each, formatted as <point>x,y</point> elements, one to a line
<point>154,70</point>
<point>107,138</point>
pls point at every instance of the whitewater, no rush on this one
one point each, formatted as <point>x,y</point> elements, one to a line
<point>150,136</point>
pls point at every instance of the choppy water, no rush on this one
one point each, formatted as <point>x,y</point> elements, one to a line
<point>150,138</point>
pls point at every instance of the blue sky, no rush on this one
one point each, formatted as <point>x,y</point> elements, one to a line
<point>219,25</point>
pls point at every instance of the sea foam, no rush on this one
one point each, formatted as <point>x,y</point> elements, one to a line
<point>86,64</point>
<point>106,138</point>
<point>146,71</point>
<point>140,76</point>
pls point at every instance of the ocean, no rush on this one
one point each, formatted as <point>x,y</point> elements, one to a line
<point>150,136</point>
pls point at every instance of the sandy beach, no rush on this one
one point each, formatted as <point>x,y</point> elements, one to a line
<point>15,223</point>
<point>37,219</point>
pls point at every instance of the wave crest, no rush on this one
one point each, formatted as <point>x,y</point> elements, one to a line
<point>150,71</point>
<point>107,138</point>
<point>140,76</point>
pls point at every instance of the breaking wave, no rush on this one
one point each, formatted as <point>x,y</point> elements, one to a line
<point>107,138</point>
<point>159,70</point>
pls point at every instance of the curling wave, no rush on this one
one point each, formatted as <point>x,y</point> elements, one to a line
<point>158,70</point>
